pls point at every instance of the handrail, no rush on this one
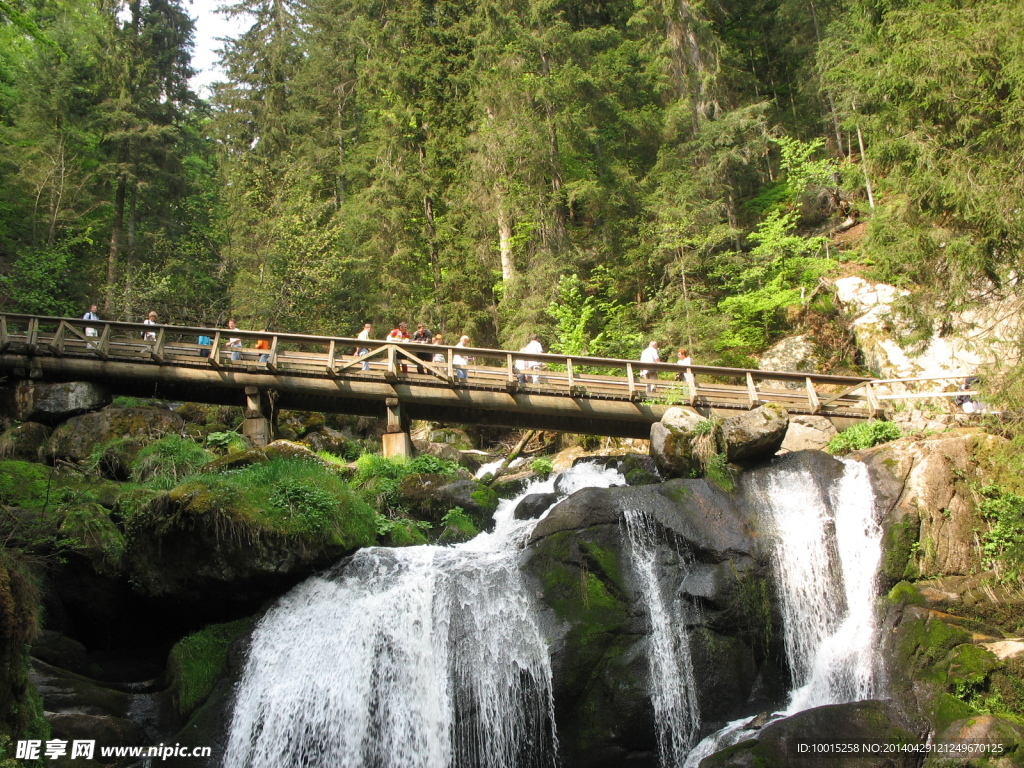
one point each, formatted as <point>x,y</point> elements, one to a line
<point>506,356</point>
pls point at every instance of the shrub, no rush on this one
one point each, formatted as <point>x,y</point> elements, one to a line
<point>458,519</point>
<point>864,435</point>
<point>170,458</point>
<point>542,465</point>
<point>1003,543</point>
<point>226,442</point>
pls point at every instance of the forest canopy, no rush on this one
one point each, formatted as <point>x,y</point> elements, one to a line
<point>597,172</point>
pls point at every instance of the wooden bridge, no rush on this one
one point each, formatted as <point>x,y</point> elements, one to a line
<point>586,395</point>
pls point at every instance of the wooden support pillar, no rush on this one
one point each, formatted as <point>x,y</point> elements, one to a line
<point>397,442</point>
<point>259,424</point>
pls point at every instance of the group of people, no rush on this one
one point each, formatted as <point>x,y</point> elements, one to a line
<point>526,369</point>
<point>422,335</point>
<point>652,355</point>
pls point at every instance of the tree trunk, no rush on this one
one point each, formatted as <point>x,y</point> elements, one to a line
<point>116,236</point>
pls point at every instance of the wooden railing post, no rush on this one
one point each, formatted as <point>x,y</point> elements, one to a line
<point>157,352</point>
<point>331,351</point>
<point>812,396</point>
<point>214,358</point>
<point>57,345</point>
<point>569,373</point>
<point>103,345</point>
<point>272,357</point>
<point>32,335</point>
<point>5,339</point>
<point>752,391</point>
<point>631,378</point>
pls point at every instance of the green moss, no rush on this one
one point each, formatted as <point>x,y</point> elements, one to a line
<point>169,459</point>
<point>947,709</point>
<point>198,661</point>
<point>486,498</point>
<point>898,549</point>
<point>717,471</point>
<point>95,534</point>
<point>24,484</point>
<point>753,597</point>
<point>905,593</point>
<point>678,492</point>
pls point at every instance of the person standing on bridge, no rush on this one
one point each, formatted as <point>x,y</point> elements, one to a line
<point>439,357</point>
<point>235,343</point>
<point>365,335</point>
<point>533,345</point>
<point>91,315</point>
<point>401,334</point>
<point>422,336</point>
<point>460,361</point>
<point>683,358</point>
<point>650,355</point>
<point>150,320</point>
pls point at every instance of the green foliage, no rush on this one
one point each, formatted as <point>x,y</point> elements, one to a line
<point>200,660</point>
<point>226,442</point>
<point>379,478</point>
<point>1003,542</point>
<point>457,519</point>
<point>169,459</point>
<point>403,532</point>
<point>716,469</point>
<point>863,435</point>
<point>542,465</point>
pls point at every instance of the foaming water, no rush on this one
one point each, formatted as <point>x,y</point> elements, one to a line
<point>673,691</point>
<point>419,657</point>
<point>827,547</point>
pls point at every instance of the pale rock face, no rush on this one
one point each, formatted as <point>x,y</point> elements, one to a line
<point>808,433</point>
<point>979,336</point>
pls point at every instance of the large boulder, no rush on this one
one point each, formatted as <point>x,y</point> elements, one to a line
<point>755,435</point>
<point>75,439</point>
<point>674,442</point>
<point>52,403</point>
<point>791,740</point>
<point>597,614</point>
<point>24,441</point>
<point>926,489</point>
<point>808,433</point>
<point>794,353</point>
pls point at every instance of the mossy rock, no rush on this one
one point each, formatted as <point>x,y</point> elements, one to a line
<point>95,536</point>
<point>25,442</point>
<point>236,460</point>
<point>77,438</point>
<point>197,662</point>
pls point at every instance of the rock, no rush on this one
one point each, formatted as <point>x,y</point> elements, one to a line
<point>25,442</point>
<point>923,486</point>
<point>682,418</point>
<point>981,334</point>
<point>59,651</point>
<point>756,434</point>
<point>794,353</point>
<point>290,450</point>
<point>236,460</point>
<point>104,729</point>
<point>511,485</point>
<point>976,732</point>
<point>75,439</point>
<point>808,433</point>
<point>534,505</point>
<point>52,403</point>
<point>695,510</point>
<point>639,469</point>
<point>331,441</point>
<point>456,438</point>
<point>446,452</point>
<point>672,451</point>
<point>870,722</point>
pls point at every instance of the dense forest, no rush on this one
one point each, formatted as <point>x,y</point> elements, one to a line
<point>594,171</point>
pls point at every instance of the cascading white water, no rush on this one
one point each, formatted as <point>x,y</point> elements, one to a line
<point>420,657</point>
<point>673,691</point>
<point>826,553</point>
<point>826,561</point>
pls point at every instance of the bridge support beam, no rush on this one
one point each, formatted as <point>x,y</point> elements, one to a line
<point>397,441</point>
<point>259,423</point>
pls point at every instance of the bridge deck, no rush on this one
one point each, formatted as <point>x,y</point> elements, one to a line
<point>570,393</point>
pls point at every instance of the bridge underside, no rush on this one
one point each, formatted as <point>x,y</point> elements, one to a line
<point>418,399</point>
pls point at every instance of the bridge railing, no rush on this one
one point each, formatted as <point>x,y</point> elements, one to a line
<point>432,365</point>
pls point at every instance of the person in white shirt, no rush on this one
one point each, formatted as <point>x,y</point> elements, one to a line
<point>91,315</point>
<point>650,355</point>
<point>523,365</point>
<point>150,320</point>
<point>235,343</point>
<point>365,335</point>
<point>460,361</point>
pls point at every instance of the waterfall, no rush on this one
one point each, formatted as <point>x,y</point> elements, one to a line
<point>419,657</point>
<point>673,692</point>
<point>827,547</point>
<point>826,561</point>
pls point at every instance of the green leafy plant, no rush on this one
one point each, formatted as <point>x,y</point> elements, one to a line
<point>542,465</point>
<point>863,435</point>
<point>458,519</point>
<point>1003,543</point>
<point>200,660</point>
<point>226,442</point>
